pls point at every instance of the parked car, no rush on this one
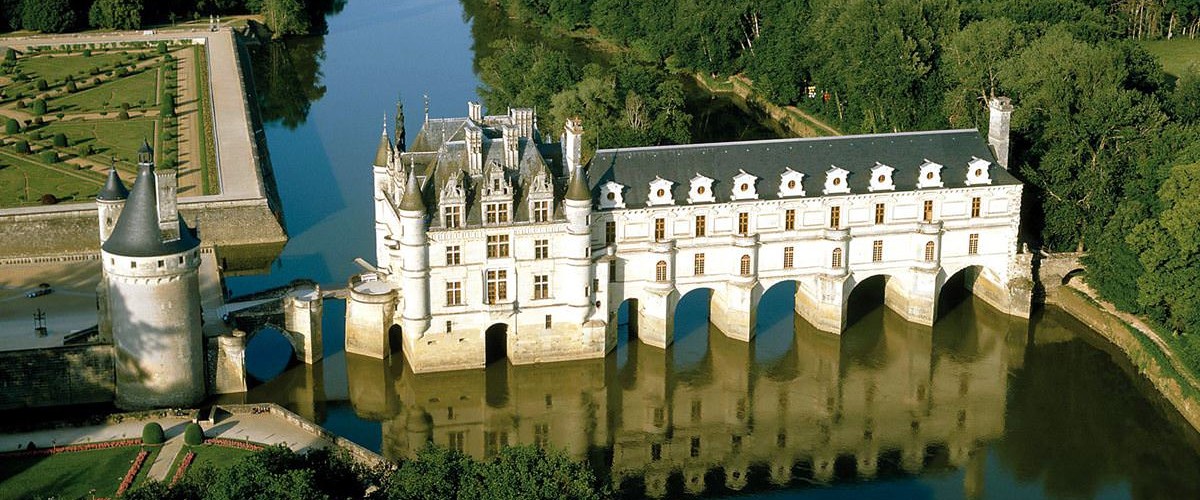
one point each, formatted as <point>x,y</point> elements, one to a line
<point>42,289</point>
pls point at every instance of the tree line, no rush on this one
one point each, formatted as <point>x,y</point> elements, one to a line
<point>283,17</point>
<point>1104,139</point>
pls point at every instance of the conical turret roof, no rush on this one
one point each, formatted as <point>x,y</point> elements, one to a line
<point>385,149</point>
<point>577,189</point>
<point>137,233</point>
<point>412,193</point>
<point>114,189</point>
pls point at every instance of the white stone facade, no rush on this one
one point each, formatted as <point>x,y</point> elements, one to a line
<point>477,259</point>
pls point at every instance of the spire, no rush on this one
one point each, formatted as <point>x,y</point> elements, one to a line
<point>138,232</point>
<point>577,187</point>
<point>401,140</point>
<point>114,189</point>
<point>145,153</point>
<point>412,192</point>
<point>385,147</point>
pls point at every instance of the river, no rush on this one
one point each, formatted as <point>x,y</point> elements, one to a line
<point>981,405</point>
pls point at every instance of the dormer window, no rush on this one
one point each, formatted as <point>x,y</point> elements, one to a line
<point>611,195</point>
<point>978,172</point>
<point>541,197</point>
<point>929,175</point>
<point>660,192</point>
<point>453,201</point>
<point>497,196</point>
<point>743,186</point>
<point>496,213</point>
<point>836,180</point>
<point>452,215</point>
<point>701,190</point>
<point>791,183</point>
<point>881,178</point>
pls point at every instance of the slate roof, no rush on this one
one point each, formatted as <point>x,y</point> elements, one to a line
<point>136,233</point>
<point>114,189</point>
<point>906,151</point>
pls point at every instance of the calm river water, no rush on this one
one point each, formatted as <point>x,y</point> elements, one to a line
<point>981,405</point>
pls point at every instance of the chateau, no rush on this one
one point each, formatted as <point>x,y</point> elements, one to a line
<point>492,242</point>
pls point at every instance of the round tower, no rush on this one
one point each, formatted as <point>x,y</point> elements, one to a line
<point>150,263</point>
<point>381,177</point>
<point>109,203</point>
<point>578,210</point>
<point>414,251</point>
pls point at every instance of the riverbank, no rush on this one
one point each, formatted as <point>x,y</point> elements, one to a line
<point>1139,345</point>
<point>794,119</point>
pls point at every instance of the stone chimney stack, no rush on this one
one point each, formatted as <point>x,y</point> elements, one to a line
<point>474,148</point>
<point>475,111</point>
<point>168,210</point>
<point>572,144</point>
<point>1000,113</point>
<point>512,142</point>
<point>525,120</point>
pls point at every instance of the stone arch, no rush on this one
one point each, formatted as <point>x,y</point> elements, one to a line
<point>1079,271</point>
<point>956,284</point>
<point>862,293</point>
<point>691,322</point>
<point>495,340</point>
<point>274,336</point>
<point>775,322</point>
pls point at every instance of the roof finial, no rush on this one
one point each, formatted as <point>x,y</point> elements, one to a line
<point>412,192</point>
<point>426,97</point>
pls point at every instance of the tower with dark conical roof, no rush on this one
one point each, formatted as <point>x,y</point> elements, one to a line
<point>152,294</point>
<point>109,203</point>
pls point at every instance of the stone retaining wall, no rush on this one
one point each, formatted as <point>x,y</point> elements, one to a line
<point>56,376</point>
<point>358,452</point>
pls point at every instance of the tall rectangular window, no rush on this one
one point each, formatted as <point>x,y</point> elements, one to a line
<point>788,257</point>
<point>541,249</point>
<point>695,447</point>
<point>743,223</point>
<point>549,323</point>
<point>541,435</point>
<point>449,326</point>
<point>457,440</point>
<point>497,246</point>
<point>610,232</point>
<point>453,255</point>
<point>789,220</point>
<point>973,244</point>
<point>541,211</point>
<point>541,286</point>
<point>660,229</point>
<point>496,213</point>
<point>928,213</point>
<point>701,226</point>
<point>612,271</point>
<point>877,251</point>
<point>699,264</point>
<point>879,211</point>
<point>453,293</point>
<point>835,217</point>
<point>453,216</point>
<point>975,205</point>
<point>497,286</point>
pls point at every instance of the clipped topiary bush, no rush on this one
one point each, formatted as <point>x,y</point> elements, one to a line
<point>49,199</point>
<point>124,115</point>
<point>193,435</point>
<point>60,140</point>
<point>39,107</point>
<point>152,433</point>
<point>49,156</point>
<point>11,126</point>
<point>41,84</point>
<point>21,146</point>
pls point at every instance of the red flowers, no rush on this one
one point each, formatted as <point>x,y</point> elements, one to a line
<point>74,447</point>
<point>233,443</point>
<point>187,460</point>
<point>132,473</point>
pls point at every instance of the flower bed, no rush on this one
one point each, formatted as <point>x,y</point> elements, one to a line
<point>183,465</point>
<point>72,448</point>
<point>234,443</point>
<point>133,471</point>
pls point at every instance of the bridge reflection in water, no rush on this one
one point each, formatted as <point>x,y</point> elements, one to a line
<point>887,396</point>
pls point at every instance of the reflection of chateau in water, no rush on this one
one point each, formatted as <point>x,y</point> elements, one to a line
<point>888,394</point>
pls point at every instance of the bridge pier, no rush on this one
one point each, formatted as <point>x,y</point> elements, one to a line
<point>370,308</point>
<point>734,310</point>
<point>656,317</point>
<point>302,316</point>
<point>229,352</point>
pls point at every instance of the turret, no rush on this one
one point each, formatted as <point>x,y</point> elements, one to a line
<point>382,182</point>
<point>109,203</point>
<point>150,262</point>
<point>999,114</point>
<point>572,145</point>
<point>578,210</point>
<point>414,251</point>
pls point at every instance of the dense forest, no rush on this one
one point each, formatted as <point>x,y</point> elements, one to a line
<point>1105,140</point>
<point>283,17</point>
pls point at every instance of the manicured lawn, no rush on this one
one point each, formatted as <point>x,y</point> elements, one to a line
<point>55,67</point>
<point>206,454</point>
<point>66,475</point>
<point>15,170</point>
<point>109,137</point>
<point>139,91</point>
<point>1176,55</point>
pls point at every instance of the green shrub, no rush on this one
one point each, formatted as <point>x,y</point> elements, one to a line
<point>193,435</point>
<point>87,52</point>
<point>10,54</point>
<point>21,146</point>
<point>49,156</point>
<point>41,84</point>
<point>168,106</point>
<point>162,47</point>
<point>152,433</point>
<point>60,140</point>
<point>49,199</point>
<point>124,115</point>
<point>39,107</point>
<point>11,126</point>
<point>20,104</point>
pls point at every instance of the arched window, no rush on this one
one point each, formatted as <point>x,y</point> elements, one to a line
<point>745,265</point>
<point>837,259</point>
<point>660,271</point>
<point>929,251</point>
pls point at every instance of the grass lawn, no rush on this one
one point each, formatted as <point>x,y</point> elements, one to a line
<point>1176,55</point>
<point>207,454</point>
<point>66,475</point>
<point>145,471</point>
<point>109,138</point>
<point>55,67</point>
<point>15,171</point>
<point>140,91</point>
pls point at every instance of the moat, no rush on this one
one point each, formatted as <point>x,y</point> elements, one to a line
<point>981,405</point>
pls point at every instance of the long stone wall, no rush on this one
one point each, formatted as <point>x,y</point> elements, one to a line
<point>58,376</point>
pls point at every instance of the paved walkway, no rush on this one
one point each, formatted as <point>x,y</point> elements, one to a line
<point>91,434</point>
<point>160,470</point>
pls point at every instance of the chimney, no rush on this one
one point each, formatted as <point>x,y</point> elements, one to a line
<point>572,141</point>
<point>474,149</point>
<point>475,111</point>
<point>168,211</point>
<point>512,141</point>
<point>1000,112</point>
<point>525,121</point>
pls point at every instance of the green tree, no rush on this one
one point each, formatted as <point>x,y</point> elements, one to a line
<point>47,16</point>
<point>167,108</point>
<point>39,107</point>
<point>434,473</point>
<point>973,60</point>
<point>60,140</point>
<point>284,17</point>
<point>12,126</point>
<point>532,473</point>
<point>116,14</point>
<point>21,146</point>
<point>1169,248</point>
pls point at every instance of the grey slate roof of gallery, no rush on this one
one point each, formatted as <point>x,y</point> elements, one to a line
<point>635,168</point>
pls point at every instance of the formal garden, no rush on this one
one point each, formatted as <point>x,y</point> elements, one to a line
<point>70,113</point>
